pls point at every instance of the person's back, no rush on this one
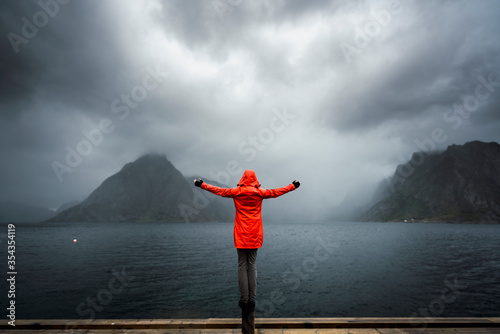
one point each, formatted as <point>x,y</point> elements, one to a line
<point>248,232</point>
<point>248,196</point>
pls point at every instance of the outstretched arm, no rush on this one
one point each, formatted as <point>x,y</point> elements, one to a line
<point>224,192</point>
<point>272,193</point>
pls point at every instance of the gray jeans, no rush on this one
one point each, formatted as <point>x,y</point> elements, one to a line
<point>247,274</point>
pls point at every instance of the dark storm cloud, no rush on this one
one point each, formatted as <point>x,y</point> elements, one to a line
<point>214,23</point>
<point>222,69</point>
<point>67,70</point>
<point>433,62</point>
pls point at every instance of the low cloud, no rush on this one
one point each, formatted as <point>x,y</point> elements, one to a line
<point>229,69</point>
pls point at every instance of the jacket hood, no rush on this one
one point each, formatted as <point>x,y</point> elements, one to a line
<point>249,179</point>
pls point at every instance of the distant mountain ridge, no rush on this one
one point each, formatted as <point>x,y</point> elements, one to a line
<point>149,189</point>
<point>461,184</point>
<point>16,212</point>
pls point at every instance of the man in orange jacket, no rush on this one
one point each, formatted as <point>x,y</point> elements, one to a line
<point>248,232</point>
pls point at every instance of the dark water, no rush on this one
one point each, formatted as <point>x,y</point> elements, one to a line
<point>304,270</point>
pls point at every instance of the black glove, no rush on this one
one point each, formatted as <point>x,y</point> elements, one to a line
<point>296,183</point>
<point>198,182</point>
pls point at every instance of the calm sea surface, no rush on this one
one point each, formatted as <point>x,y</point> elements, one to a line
<point>131,270</point>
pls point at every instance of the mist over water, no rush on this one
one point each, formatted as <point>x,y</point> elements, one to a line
<point>181,270</point>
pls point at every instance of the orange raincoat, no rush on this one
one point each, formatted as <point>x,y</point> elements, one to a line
<point>247,197</point>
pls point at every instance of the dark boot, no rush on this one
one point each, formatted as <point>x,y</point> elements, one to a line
<point>251,316</point>
<point>247,317</point>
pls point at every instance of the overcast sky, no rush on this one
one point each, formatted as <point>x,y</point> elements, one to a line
<point>333,93</point>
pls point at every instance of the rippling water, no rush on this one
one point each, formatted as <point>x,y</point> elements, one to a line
<point>180,270</point>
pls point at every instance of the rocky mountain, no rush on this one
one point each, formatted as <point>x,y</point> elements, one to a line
<point>461,184</point>
<point>65,206</point>
<point>149,189</point>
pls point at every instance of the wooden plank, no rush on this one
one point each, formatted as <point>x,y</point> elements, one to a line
<point>263,331</point>
<point>261,323</point>
<point>451,330</point>
<point>125,331</point>
<point>326,331</point>
<point>372,322</point>
<point>391,331</point>
<point>223,323</point>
